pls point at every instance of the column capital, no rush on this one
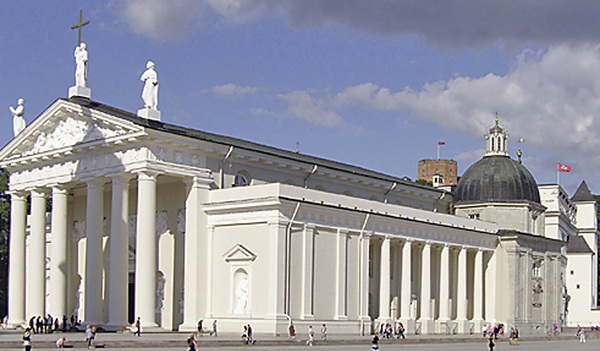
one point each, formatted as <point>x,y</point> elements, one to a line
<point>95,182</point>
<point>147,174</point>
<point>197,182</point>
<point>59,189</point>
<point>38,192</point>
<point>122,177</point>
<point>17,194</point>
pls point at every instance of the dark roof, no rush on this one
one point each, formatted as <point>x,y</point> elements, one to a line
<point>577,244</point>
<point>497,178</point>
<point>243,144</point>
<point>583,193</point>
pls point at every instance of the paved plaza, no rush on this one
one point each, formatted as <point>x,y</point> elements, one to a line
<point>177,341</point>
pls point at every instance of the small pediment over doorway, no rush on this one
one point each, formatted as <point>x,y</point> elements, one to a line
<point>239,253</point>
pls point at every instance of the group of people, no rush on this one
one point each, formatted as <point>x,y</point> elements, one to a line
<point>210,332</point>
<point>386,331</point>
<point>48,324</point>
<point>494,330</point>
<point>581,334</point>
<point>247,336</point>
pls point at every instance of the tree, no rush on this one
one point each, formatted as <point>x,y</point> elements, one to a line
<point>4,230</point>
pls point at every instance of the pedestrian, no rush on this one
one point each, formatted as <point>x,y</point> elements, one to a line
<point>250,337</point>
<point>311,336</point>
<point>200,327</point>
<point>138,327</point>
<point>401,331</point>
<point>90,334</point>
<point>324,332</point>
<point>214,330</point>
<point>245,335</point>
<point>491,342</point>
<point>292,331</point>
<point>64,325</point>
<point>192,342</point>
<point>27,339</point>
<point>375,342</point>
<point>60,343</point>
<point>582,337</point>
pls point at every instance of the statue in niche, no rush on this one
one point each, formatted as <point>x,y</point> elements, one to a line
<point>81,64</point>
<point>150,92</point>
<point>18,119</point>
<point>160,293</point>
<point>241,293</point>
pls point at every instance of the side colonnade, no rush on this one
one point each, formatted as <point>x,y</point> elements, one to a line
<point>439,291</point>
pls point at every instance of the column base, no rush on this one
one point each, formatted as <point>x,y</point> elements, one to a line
<point>16,324</point>
<point>426,326</point>
<point>443,326</point>
<point>478,325</point>
<point>307,317</point>
<point>463,327</point>
<point>116,326</point>
<point>341,318</point>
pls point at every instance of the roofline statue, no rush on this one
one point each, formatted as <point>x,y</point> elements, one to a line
<point>150,91</point>
<point>18,119</point>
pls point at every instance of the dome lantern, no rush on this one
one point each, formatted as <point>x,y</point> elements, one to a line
<point>496,141</point>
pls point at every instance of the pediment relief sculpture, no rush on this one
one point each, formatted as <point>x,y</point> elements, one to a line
<point>239,253</point>
<point>72,131</point>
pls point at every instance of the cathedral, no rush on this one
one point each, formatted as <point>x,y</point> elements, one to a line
<point>117,215</point>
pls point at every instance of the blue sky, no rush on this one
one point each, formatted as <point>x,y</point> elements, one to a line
<point>367,82</point>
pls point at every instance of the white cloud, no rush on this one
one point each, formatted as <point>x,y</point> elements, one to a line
<point>303,106</point>
<point>231,90</point>
<point>159,19</point>
<point>240,11</point>
<point>551,98</point>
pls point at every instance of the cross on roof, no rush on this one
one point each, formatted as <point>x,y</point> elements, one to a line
<point>79,26</point>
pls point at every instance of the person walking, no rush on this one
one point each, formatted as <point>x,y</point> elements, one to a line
<point>138,327</point>
<point>214,328</point>
<point>375,342</point>
<point>311,336</point>
<point>324,332</point>
<point>27,339</point>
<point>292,331</point>
<point>192,343</point>
<point>250,337</point>
<point>90,334</point>
<point>491,342</point>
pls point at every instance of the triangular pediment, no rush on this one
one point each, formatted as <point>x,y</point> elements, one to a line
<point>65,126</point>
<point>239,253</point>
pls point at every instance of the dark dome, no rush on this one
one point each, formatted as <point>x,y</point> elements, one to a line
<point>497,179</point>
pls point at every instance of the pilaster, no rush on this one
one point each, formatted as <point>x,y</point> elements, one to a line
<point>444,317</point>
<point>341,274</point>
<point>384,282</point>
<point>405,296</point>
<point>461,292</point>
<point>308,237</point>
<point>426,320</point>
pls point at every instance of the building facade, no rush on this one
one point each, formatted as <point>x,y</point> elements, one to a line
<point>175,225</point>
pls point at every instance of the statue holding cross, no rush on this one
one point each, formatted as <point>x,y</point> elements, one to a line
<point>81,55</point>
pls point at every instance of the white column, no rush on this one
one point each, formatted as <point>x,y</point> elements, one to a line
<point>427,326</point>
<point>405,295</point>
<point>58,250</point>
<point>364,277</point>
<point>478,288</point>
<point>37,255</point>
<point>16,265</point>
<point>118,274</point>
<point>384,282</point>
<point>461,291</point>
<point>308,237</point>
<point>94,218</point>
<point>146,260</point>
<point>341,267</point>
<point>444,289</point>
<point>195,226</point>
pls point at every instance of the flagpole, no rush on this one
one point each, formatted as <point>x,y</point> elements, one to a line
<point>557,176</point>
<point>438,150</point>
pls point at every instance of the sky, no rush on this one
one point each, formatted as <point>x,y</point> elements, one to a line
<point>372,83</point>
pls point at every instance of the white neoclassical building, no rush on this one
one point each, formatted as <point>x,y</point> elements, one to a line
<point>176,225</point>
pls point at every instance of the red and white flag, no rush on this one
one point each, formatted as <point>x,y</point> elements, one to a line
<point>441,143</point>
<point>563,168</point>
